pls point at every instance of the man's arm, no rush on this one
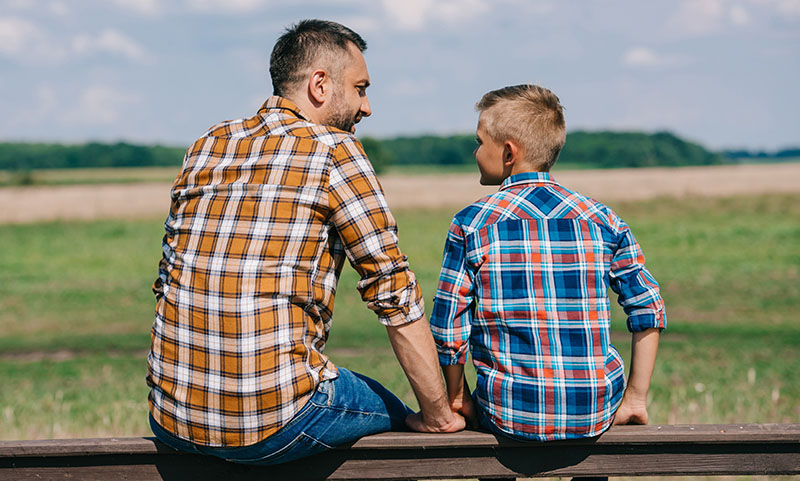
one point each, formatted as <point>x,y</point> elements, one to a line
<point>369,234</point>
<point>633,409</point>
<point>415,350</point>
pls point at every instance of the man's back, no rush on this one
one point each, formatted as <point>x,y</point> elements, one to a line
<point>524,283</point>
<point>262,215</point>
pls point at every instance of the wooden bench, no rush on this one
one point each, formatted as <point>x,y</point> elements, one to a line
<point>623,450</point>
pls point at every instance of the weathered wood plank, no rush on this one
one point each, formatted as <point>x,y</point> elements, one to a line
<point>630,451</point>
<point>436,465</point>
<point>617,435</point>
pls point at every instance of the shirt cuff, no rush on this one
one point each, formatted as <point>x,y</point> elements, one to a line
<point>399,310</point>
<point>450,357</point>
<point>642,322</point>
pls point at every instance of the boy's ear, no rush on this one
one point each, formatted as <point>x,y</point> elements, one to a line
<point>511,153</point>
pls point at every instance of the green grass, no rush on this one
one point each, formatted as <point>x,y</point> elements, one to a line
<point>111,175</point>
<point>76,309</point>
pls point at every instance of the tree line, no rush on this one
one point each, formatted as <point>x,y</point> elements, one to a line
<point>583,149</point>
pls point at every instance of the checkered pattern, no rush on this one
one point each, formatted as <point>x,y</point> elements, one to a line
<point>263,215</point>
<point>524,285</point>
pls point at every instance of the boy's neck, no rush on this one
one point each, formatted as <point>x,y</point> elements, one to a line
<point>523,168</point>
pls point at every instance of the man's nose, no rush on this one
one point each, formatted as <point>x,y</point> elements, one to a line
<point>366,110</point>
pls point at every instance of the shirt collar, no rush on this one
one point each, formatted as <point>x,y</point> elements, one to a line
<point>279,103</point>
<point>527,178</point>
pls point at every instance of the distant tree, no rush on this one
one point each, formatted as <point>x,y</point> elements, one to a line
<point>23,156</point>
<point>603,149</point>
<point>378,155</point>
<point>633,149</point>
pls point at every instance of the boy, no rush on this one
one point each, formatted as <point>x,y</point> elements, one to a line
<point>524,285</point>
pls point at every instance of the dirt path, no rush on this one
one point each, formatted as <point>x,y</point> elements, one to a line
<point>32,204</point>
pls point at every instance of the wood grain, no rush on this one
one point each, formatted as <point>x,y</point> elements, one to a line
<point>695,450</point>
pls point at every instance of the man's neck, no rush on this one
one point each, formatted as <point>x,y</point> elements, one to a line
<point>311,110</point>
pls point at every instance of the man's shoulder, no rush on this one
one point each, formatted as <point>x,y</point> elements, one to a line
<point>278,124</point>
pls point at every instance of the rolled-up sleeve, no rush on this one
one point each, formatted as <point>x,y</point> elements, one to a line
<point>638,292</point>
<point>369,233</point>
<point>453,306</point>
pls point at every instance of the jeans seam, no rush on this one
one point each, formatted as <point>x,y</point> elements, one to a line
<point>274,454</point>
<point>353,411</point>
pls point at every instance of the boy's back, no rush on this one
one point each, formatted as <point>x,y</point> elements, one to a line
<point>538,260</point>
<point>524,284</point>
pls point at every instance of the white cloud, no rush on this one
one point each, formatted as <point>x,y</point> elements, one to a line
<point>19,4</point>
<point>789,7</point>
<point>100,104</point>
<point>15,33</point>
<point>643,57</point>
<point>142,7</point>
<point>415,14</point>
<point>59,9</point>
<point>26,42</point>
<point>708,17</point>
<point>225,6</point>
<point>23,40</point>
<point>640,57</point>
<point>108,41</point>
<point>739,15</point>
<point>784,7</point>
<point>698,17</point>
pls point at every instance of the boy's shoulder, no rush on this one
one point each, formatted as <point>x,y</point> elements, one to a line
<point>551,201</point>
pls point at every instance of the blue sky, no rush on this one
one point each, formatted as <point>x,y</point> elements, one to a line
<point>720,72</point>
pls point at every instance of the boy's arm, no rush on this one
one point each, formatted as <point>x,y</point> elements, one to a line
<point>641,299</point>
<point>451,321</point>
<point>633,409</point>
<point>458,393</point>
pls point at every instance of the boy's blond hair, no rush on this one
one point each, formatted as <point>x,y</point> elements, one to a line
<point>530,115</point>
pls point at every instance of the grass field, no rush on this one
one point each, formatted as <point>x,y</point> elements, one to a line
<point>88,176</point>
<point>76,308</point>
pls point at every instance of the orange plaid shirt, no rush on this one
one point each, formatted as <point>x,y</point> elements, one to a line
<point>264,212</point>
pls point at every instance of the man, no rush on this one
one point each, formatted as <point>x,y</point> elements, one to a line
<point>263,214</point>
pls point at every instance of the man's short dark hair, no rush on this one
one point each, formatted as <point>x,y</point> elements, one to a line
<point>301,44</point>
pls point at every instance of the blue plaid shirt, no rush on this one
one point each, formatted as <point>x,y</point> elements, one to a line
<point>524,285</point>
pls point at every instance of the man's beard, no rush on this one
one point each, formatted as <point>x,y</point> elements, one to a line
<point>340,116</point>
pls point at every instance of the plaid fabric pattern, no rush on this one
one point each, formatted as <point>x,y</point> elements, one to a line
<point>263,214</point>
<point>524,285</point>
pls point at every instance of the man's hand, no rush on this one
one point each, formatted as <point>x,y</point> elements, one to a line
<point>633,410</point>
<point>417,422</point>
<point>415,350</point>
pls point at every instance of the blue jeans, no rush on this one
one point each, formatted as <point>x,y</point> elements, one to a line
<point>341,411</point>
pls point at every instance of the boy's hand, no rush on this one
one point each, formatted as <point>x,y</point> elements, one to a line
<point>464,405</point>
<point>416,422</point>
<point>633,410</point>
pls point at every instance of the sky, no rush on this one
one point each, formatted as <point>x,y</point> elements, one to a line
<point>723,73</point>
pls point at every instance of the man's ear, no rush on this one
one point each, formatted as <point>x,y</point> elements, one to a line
<point>319,87</point>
